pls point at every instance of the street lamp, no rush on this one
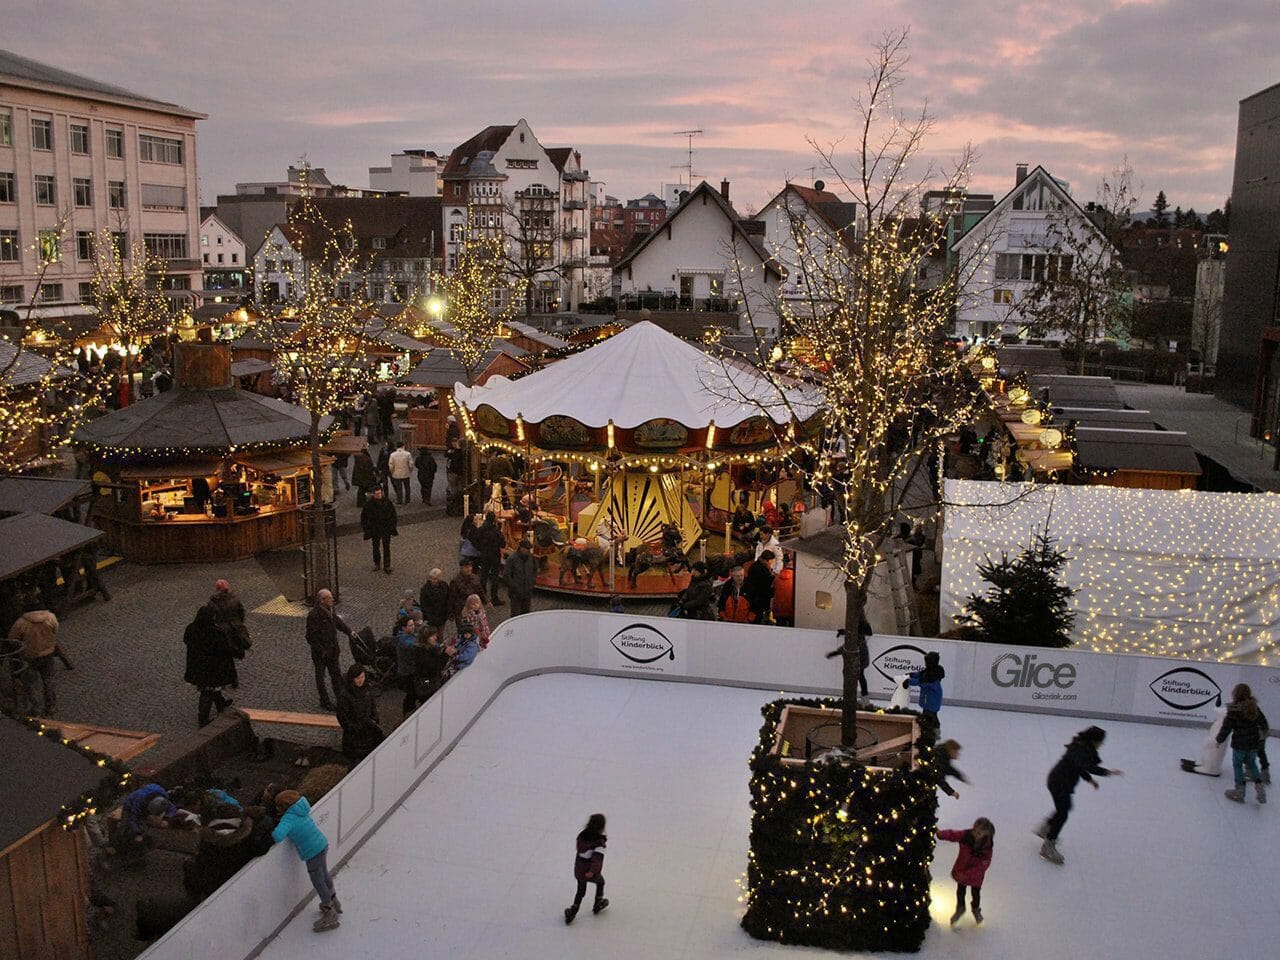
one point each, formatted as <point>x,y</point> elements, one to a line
<point>435,306</point>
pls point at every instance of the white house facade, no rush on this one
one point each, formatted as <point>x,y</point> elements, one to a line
<point>821,219</point>
<point>276,266</point>
<point>221,254</point>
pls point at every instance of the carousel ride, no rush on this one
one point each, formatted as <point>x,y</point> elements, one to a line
<point>634,450</point>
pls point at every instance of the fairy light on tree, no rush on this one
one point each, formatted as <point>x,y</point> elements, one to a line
<point>480,298</point>
<point>128,296</point>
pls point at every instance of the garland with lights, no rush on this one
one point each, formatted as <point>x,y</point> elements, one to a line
<point>840,852</point>
<point>114,782</point>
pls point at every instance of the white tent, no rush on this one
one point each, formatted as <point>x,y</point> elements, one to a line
<point>641,374</point>
<point>1168,572</point>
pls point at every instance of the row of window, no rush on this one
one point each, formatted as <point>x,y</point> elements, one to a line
<point>45,189</point>
<point>151,148</point>
<point>235,258</point>
<point>170,246</point>
<point>16,293</point>
<point>1034,267</point>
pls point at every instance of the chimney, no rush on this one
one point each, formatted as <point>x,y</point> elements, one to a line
<point>724,190</point>
<point>1019,174</point>
<point>201,366</point>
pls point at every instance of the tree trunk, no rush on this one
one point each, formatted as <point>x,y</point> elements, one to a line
<point>313,440</point>
<point>855,604</point>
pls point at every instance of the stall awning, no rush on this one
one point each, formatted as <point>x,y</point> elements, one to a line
<point>251,367</point>
<point>28,540</point>
<point>345,444</point>
<point>39,494</point>
<point>178,470</point>
<point>281,461</point>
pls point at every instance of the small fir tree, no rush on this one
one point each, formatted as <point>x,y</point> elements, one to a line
<point>1027,604</point>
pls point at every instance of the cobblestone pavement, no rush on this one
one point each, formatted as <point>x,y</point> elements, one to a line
<point>129,656</point>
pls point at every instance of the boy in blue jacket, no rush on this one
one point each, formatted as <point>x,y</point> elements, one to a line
<point>929,680</point>
<point>296,825</point>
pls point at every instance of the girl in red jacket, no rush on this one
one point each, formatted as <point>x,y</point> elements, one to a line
<point>588,864</point>
<point>976,846</point>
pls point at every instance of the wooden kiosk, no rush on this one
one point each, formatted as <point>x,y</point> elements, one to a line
<point>203,471</point>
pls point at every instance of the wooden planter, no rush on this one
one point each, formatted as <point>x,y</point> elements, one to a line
<point>804,733</point>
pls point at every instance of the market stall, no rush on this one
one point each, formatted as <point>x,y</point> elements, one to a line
<point>203,471</point>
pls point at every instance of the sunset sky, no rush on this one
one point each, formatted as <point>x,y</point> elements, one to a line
<point>1074,86</point>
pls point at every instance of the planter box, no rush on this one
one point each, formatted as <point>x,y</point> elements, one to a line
<point>886,741</point>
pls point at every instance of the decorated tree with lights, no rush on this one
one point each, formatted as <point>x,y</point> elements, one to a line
<point>480,298</point>
<point>1027,603</point>
<point>128,296</point>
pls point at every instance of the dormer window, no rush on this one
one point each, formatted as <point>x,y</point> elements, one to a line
<point>379,243</point>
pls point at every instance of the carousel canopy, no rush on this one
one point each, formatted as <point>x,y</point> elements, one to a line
<point>639,375</point>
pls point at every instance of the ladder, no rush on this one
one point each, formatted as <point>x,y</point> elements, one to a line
<point>904,595</point>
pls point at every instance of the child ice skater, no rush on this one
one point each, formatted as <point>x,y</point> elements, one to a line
<point>929,680</point>
<point>977,844</point>
<point>948,751</point>
<point>1080,762</point>
<point>296,825</point>
<point>588,864</point>
<point>1244,724</point>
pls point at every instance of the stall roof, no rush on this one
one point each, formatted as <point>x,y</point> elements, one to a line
<point>1072,391</point>
<point>826,545</point>
<point>440,368</point>
<point>1106,417</point>
<point>180,470</point>
<point>549,340</point>
<point>345,443</point>
<point>1015,359</point>
<point>281,461</point>
<point>29,539</point>
<point>251,367</point>
<point>39,494</point>
<point>1149,451</point>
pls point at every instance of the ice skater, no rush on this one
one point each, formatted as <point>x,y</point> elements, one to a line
<point>1080,762</point>
<point>948,751</point>
<point>929,680</point>
<point>977,845</point>
<point>1244,724</point>
<point>588,864</point>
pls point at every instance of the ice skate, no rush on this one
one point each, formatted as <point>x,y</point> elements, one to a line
<point>599,905</point>
<point>1266,776</point>
<point>977,916</point>
<point>1042,831</point>
<point>328,920</point>
<point>570,913</point>
<point>1236,794</point>
<point>1049,850</point>
<point>955,917</point>
<point>1260,792</point>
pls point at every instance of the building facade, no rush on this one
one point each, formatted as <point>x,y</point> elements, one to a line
<point>77,157</point>
<point>1249,349</point>
<point>643,215</point>
<point>412,173</point>
<point>221,255</point>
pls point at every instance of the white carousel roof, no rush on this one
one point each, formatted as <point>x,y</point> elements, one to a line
<point>638,375</point>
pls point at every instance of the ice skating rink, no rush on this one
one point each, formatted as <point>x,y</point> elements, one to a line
<point>477,862</point>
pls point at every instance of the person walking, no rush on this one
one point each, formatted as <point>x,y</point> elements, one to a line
<point>339,467</point>
<point>1080,762</point>
<point>462,586</point>
<point>757,587</point>
<point>89,567</point>
<point>588,865</point>
<point>378,521</point>
<point>400,469</point>
<point>1244,724</point>
<point>358,715</point>
<point>38,631</point>
<point>427,467</point>
<point>297,827</point>
<point>211,663</point>
<point>977,845</point>
<point>381,467</point>
<point>323,624</point>
<point>363,476</point>
<point>521,575</point>
<point>489,540</point>
<point>230,613</point>
<point>433,599</point>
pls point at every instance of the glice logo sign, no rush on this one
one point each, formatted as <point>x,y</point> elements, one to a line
<point>1186,688</point>
<point>1015,670</point>
<point>896,662</point>
<point>641,643</point>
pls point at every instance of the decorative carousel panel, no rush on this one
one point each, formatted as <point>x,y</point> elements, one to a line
<point>661,433</point>
<point>756,432</point>
<point>491,423</point>
<point>563,433</point>
<point>641,502</point>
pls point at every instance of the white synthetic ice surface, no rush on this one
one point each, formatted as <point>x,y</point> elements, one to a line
<point>477,862</point>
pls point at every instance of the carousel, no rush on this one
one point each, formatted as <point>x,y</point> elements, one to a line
<point>635,449</point>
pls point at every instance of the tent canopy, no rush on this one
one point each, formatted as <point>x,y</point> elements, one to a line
<point>641,374</point>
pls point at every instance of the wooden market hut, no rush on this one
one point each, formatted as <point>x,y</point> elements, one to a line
<point>52,496</point>
<point>203,471</point>
<point>1145,459</point>
<point>25,375</point>
<point>431,383</point>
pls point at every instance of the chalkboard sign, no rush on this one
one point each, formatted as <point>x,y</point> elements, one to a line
<point>304,488</point>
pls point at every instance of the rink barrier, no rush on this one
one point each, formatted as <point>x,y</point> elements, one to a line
<point>244,914</point>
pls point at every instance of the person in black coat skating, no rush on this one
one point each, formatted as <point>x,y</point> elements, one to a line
<point>1080,762</point>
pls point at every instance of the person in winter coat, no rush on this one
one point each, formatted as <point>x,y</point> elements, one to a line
<point>211,663</point>
<point>473,613</point>
<point>433,599</point>
<point>427,467</point>
<point>784,594</point>
<point>230,613</point>
<point>588,865</point>
<point>38,631</point>
<point>408,649</point>
<point>757,587</point>
<point>521,573</point>
<point>146,806</point>
<point>466,646</point>
<point>769,541</point>
<point>462,586</point>
<point>378,522</point>
<point>364,477</point>
<point>381,467</point>
<point>323,624</point>
<point>733,605</point>
<point>698,601</point>
<point>400,469</point>
<point>358,715</point>
<point>1244,724</point>
<point>949,750</point>
<point>977,845</point>
<point>297,826</point>
<point>1080,762</point>
<point>929,680</point>
<point>489,540</point>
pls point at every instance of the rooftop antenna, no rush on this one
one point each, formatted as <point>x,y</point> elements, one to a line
<point>688,165</point>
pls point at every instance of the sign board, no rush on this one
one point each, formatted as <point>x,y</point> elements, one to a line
<point>654,646</point>
<point>1191,690</point>
<point>892,658</point>
<point>1043,678</point>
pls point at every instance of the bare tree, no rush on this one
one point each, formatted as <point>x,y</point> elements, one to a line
<point>871,339</point>
<point>529,234</point>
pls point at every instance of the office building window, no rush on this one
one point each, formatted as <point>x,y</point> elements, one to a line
<point>120,240</point>
<point>46,190</point>
<point>6,131</point>
<point>50,246</point>
<point>152,149</point>
<point>84,245</point>
<point>7,192</point>
<point>41,134</point>
<point>79,138</point>
<point>116,198</point>
<point>9,248</point>
<point>83,188</point>
<point>50,293</point>
<point>115,143</point>
<point>13,293</point>
<point>169,246</point>
<point>86,292</point>
<point>157,196</point>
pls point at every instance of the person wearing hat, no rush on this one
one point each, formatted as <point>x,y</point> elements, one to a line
<point>149,805</point>
<point>698,601</point>
<point>297,826</point>
<point>929,680</point>
<point>466,646</point>
<point>521,573</point>
<point>230,612</point>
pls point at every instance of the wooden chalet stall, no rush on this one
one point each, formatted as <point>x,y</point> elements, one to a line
<point>429,389</point>
<point>203,471</point>
<point>24,376</point>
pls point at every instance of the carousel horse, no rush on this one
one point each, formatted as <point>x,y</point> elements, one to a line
<point>669,555</point>
<point>580,553</point>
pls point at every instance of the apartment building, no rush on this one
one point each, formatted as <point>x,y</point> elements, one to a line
<point>78,156</point>
<point>222,253</point>
<point>412,173</point>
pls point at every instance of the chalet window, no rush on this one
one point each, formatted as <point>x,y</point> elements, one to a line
<point>379,243</point>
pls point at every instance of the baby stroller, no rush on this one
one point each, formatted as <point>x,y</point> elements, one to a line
<point>376,655</point>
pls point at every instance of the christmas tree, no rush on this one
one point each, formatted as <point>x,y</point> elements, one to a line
<point>1026,604</point>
